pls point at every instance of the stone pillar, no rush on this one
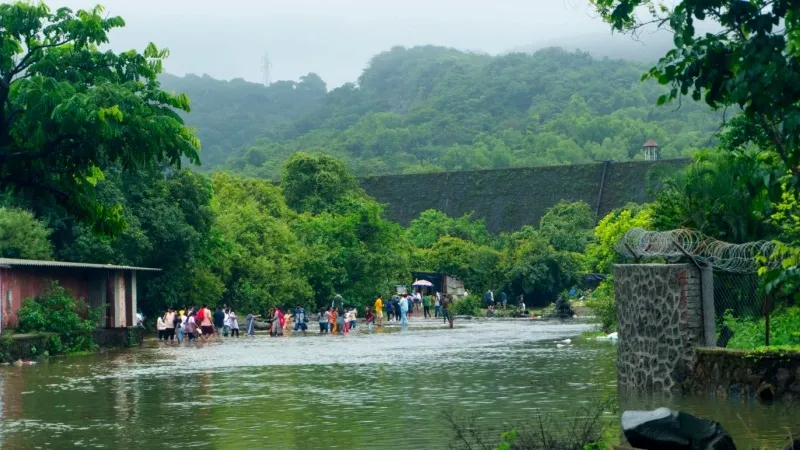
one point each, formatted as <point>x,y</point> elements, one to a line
<point>709,314</point>
<point>118,302</point>
<point>659,314</point>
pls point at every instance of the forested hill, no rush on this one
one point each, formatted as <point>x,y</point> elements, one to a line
<point>232,114</point>
<point>432,109</point>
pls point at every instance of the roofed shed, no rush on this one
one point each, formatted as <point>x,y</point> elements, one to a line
<point>98,284</point>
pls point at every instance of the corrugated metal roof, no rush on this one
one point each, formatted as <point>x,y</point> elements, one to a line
<point>12,262</point>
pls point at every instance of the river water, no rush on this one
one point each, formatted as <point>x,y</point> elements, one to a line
<point>370,391</point>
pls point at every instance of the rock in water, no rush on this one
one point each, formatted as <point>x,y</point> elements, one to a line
<point>664,429</point>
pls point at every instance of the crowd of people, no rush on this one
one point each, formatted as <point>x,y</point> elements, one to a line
<point>194,323</point>
<point>200,323</point>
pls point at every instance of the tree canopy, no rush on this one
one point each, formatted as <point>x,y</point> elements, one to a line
<point>67,108</point>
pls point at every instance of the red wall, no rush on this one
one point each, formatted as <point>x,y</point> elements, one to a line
<point>28,282</point>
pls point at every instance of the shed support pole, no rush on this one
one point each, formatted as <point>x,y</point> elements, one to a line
<point>134,305</point>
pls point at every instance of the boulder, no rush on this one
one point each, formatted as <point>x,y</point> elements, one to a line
<point>664,429</point>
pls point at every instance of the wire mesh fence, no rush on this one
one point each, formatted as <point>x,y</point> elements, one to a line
<point>739,294</point>
<point>739,297</point>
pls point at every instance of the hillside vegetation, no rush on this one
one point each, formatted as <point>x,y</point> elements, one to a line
<point>428,109</point>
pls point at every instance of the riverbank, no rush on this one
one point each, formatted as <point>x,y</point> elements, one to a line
<point>34,346</point>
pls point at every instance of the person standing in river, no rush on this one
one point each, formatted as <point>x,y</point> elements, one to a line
<point>176,326</point>
<point>191,327</point>
<point>397,308</point>
<point>250,324</point>
<point>300,319</point>
<point>426,306</point>
<point>437,309</point>
<point>323,321</point>
<point>219,321</point>
<point>169,321</point>
<point>390,310</point>
<point>446,311</point>
<point>379,310</point>
<point>503,299</point>
<point>332,320</point>
<point>404,311</point>
<point>340,320</point>
<point>206,324</point>
<point>370,319</point>
<point>161,327</point>
<point>234,323</point>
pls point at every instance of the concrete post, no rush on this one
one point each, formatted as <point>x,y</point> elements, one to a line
<point>709,314</point>
<point>134,306</point>
<point>118,302</point>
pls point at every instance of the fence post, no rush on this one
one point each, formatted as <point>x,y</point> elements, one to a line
<point>707,294</point>
<point>767,309</point>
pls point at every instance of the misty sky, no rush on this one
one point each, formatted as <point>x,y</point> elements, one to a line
<point>226,39</point>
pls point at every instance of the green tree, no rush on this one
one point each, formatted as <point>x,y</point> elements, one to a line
<point>260,257</point>
<point>476,265</point>
<point>22,236</point>
<point>530,264</point>
<point>601,255</point>
<point>568,226</point>
<point>315,183</point>
<point>722,194</point>
<point>68,109</point>
<point>426,229</point>
<point>355,253</point>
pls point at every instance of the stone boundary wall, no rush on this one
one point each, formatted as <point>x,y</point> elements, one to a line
<point>508,199</point>
<point>746,375</point>
<point>659,314</point>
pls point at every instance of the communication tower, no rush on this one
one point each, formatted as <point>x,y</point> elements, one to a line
<point>266,67</point>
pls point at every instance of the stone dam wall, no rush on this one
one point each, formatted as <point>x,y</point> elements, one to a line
<point>508,199</point>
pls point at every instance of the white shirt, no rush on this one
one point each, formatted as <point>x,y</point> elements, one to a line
<point>227,321</point>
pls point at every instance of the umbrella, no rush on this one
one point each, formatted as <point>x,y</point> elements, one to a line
<point>423,283</point>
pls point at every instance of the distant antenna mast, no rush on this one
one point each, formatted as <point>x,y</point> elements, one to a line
<point>266,67</point>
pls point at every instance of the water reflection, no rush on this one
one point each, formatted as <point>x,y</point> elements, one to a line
<point>385,390</point>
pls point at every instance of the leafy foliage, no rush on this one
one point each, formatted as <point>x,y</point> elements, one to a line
<point>602,303</point>
<point>259,262</point>
<point>316,183</point>
<point>55,311</point>
<point>22,236</point>
<point>750,333</point>
<point>568,226</point>
<point>720,194</point>
<point>601,255</point>
<point>431,225</point>
<point>69,109</point>
<point>530,264</point>
<point>467,306</point>
<point>750,61</point>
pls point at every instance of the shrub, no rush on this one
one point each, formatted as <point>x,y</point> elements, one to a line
<point>56,311</point>
<point>467,306</point>
<point>602,302</point>
<point>750,332</point>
